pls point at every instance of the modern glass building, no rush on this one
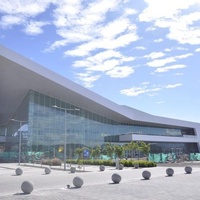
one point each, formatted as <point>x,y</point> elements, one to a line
<point>44,115</point>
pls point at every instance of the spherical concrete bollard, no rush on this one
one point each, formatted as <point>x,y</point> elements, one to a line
<point>146,174</point>
<point>116,178</point>
<point>121,166</point>
<point>188,169</point>
<point>73,169</point>
<point>47,170</point>
<point>169,171</point>
<point>27,187</point>
<point>136,166</point>
<point>101,167</point>
<point>18,171</point>
<point>78,182</point>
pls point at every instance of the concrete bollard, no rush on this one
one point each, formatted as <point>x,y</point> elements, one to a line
<point>136,166</point>
<point>117,163</point>
<point>78,182</point>
<point>19,171</point>
<point>121,166</point>
<point>188,169</point>
<point>169,171</point>
<point>47,170</point>
<point>73,169</point>
<point>27,187</point>
<point>146,174</point>
<point>101,167</point>
<point>116,178</point>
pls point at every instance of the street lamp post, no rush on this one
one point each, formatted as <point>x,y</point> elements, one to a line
<point>20,138</point>
<point>65,151</point>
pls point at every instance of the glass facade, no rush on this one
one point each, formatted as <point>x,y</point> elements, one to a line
<point>47,124</point>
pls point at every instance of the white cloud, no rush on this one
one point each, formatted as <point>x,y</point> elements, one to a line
<point>197,50</point>
<point>105,66</point>
<point>168,50</point>
<point>109,62</point>
<point>87,78</point>
<point>159,40</point>
<point>86,24</point>
<point>147,89</point>
<point>103,61</point>
<point>35,27</point>
<point>145,83</point>
<point>160,102</point>
<point>104,55</point>
<point>184,56</point>
<point>170,15</point>
<point>178,74</point>
<point>130,11</point>
<point>140,48</point>
<point>114,28</point>
<point>154,55</point>
<point>135,91</point>
<point>26,8</point>
<point>56,44</point>
<point>87,48</point>
<point>120,72</point>
<point>161,62</point>
<point>173,86</point>
<point>167,9</point>
<point>10,20</point>
<point>168,68</point>
<point>19,12</point>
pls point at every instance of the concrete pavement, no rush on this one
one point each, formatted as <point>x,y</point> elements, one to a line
<point>98,185</point>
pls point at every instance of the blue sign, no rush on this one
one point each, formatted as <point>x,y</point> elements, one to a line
<point>86,153</point>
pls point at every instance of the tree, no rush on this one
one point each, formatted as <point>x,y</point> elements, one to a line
<point>132,146</point>
<point>145,148</point>
<point>119,151</point>
<point>110,149</point>
<point>96,152</point>
<point>79,152</point>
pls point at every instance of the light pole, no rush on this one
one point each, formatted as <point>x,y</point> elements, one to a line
<point>65,109</point>
<point>20,138</point>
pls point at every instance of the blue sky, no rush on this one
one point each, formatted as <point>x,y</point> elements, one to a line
<point>141,53</point>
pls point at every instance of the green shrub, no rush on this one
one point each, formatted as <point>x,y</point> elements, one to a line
<point>52,162</point>
<point>126,163</point>
<point>56,162</point>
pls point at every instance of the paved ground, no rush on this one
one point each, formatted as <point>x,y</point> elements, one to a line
<point>98,185</point>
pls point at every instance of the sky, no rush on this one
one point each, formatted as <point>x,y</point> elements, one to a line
<point>140,53</point>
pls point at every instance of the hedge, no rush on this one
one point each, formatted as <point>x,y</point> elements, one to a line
<point>126,163</point>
